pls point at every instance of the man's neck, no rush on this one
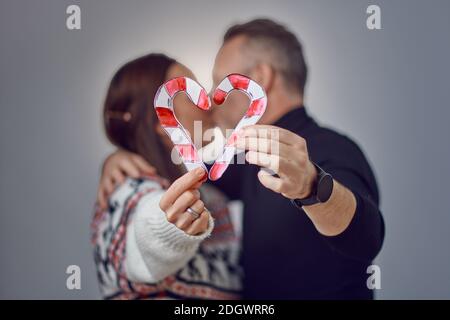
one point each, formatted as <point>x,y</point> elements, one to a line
<point>280,104</point>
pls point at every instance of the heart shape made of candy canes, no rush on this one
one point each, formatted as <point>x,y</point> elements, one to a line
<point>163,105</point>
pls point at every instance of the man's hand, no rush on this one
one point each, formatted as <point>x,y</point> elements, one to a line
<point>184,194</point>
<point>117,167</point>
<point>282,152</point>
<point>285,153</point>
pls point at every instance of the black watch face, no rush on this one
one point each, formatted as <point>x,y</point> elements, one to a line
<point>325,188</point>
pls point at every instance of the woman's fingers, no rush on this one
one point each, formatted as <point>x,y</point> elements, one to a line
<point>180,196</point>
<point>187,199</point>
<point>198,207</point>
<point>186,218</point>
<point>185,182</point>
<point>199,225</point>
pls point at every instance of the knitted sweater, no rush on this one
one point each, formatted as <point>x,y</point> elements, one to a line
<point>140,255</point>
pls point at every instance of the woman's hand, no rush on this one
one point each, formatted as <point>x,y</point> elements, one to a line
<point>182,195</point>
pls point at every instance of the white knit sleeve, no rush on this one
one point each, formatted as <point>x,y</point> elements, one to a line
<point>156,248</point>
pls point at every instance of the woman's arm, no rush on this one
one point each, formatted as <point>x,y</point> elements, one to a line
<point>142,242</point>
<point>163,237</point>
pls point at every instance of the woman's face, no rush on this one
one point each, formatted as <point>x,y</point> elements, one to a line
<point>186,112</point>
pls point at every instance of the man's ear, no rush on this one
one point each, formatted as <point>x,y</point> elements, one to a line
<point>264,74</point>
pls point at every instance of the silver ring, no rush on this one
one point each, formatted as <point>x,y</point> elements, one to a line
<point>194,213</point>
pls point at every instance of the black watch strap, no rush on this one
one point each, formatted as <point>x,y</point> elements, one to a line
<point>320,191</point>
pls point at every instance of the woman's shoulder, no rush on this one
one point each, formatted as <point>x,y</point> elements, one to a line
<point>144,184</point>
<point>147,181</point>
<point>129,193</point>
<point>124,199</point>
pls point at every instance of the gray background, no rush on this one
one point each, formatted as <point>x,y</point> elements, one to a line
<point>387,89</point>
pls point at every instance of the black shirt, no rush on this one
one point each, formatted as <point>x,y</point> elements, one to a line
<point>284,256</point>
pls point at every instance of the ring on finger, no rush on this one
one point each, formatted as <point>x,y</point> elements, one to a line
<point>194,213</point>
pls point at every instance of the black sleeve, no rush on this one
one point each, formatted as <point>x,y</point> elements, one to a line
<point>363,238</point>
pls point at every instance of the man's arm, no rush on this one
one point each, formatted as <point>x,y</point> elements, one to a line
<point>116,168</point>
<point>349,220</point>
<point>333,217</point>
<point>363,237</point>
<point>286,154</point>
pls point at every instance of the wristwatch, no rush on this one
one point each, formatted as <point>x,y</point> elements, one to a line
<point>320,191</point>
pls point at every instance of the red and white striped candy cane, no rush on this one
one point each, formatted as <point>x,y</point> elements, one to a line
<point>163,105</point>
<point>258,103</point>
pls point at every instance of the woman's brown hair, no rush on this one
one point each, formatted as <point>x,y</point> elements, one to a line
<point>129,116</point>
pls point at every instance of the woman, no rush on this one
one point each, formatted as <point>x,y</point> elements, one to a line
<point>156,239</point>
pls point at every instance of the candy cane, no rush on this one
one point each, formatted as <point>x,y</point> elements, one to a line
<point>163,105</point>
<point>258,103</point>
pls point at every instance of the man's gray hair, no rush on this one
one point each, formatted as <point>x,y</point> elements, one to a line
<point>273,40</point>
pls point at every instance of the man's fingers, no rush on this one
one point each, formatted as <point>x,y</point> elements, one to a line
<point>270,182</point>
<point>263,145</point>
<point>101,199</point>
<point>275,163</point>
<point>107,185</point>
<point>179,186</point>
<point>117,176</point>
<point>129,169</point>
<point>269,161</point>
<point>142,164</point>
<point>273,133</point>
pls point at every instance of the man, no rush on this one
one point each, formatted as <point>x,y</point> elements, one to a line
<point>311,220</point>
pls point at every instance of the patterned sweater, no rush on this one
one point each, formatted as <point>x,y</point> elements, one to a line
<point>140,255</point>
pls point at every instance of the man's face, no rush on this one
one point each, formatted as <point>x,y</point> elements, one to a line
<point>230,59</point>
